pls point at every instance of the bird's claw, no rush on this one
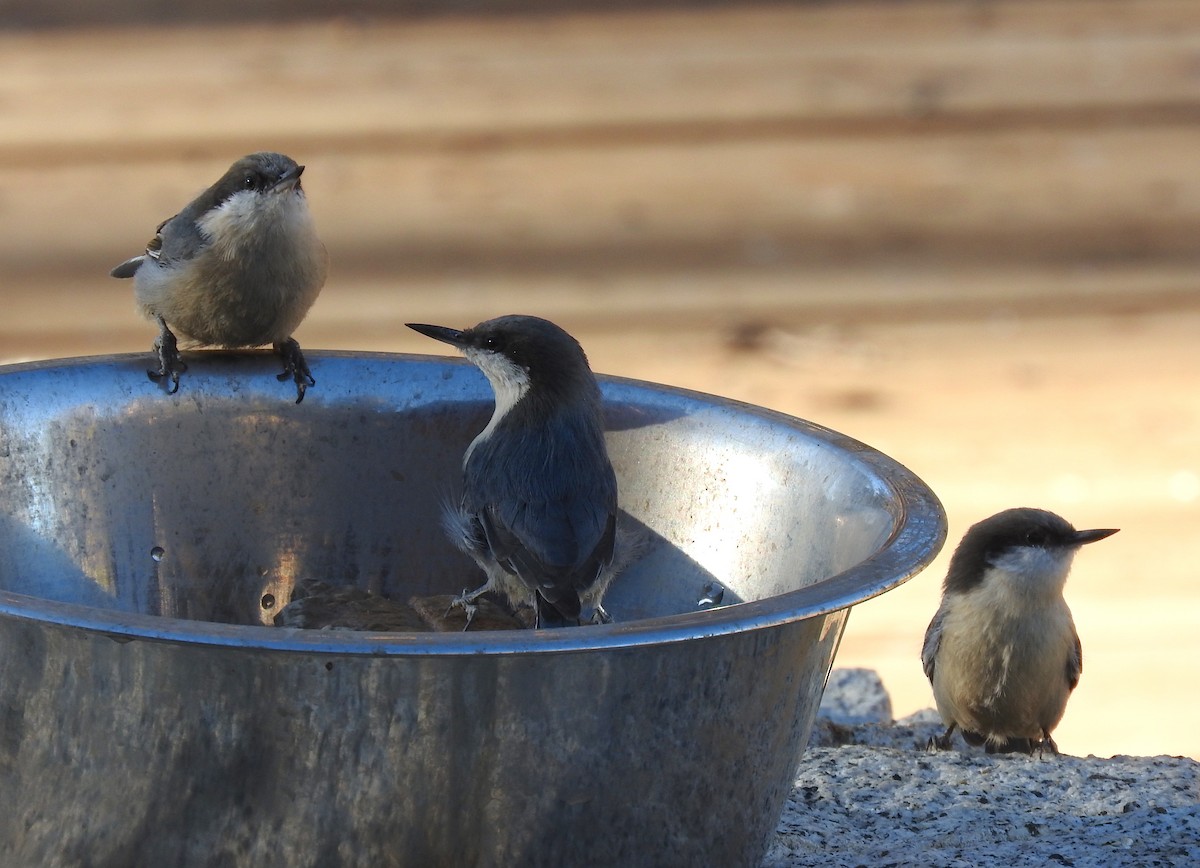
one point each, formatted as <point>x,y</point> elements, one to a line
<point>170,364</point>
<point>294,367</point>
<point>940,742</point>
<point>465,602</point>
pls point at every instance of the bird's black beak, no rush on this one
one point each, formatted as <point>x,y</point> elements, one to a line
<point>1089,536</point>
<point>454,337</point>
<point>290,180</point>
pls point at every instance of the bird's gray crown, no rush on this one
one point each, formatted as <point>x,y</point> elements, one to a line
<point>553,359</point>
<point>258,173</point>
<point>989,540</point>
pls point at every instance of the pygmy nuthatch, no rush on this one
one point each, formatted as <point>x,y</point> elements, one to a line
<point>1002,653</point>
<point>238,267</point>
<point>538,512</point>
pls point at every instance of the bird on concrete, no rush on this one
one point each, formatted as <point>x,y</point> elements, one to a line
<point>1002,652</point>
<point>538,511</point>
<point>239,266</point>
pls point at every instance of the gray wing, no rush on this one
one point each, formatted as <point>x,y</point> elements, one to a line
<point>556,527</point>
<point>933,639</point>
<point>1075,664</point>
<point>556,547</point>
<point>177,238</point>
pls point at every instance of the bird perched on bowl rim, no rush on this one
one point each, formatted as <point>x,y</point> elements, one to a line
<point>538,511</point>
<point>1002,652</point>
<point>239,266</point>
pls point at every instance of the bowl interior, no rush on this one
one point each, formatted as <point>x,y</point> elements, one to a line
<point>209,504</point>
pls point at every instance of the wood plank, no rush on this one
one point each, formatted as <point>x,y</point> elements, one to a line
<point>1097,196</point>
<point>49,317</point>
<point>766,71</point>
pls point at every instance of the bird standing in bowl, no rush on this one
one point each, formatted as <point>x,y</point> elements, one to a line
<point>538,511</point>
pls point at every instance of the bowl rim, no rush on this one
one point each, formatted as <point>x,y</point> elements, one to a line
<point>918,534</point>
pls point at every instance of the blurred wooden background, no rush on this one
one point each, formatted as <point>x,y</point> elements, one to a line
<point>963,232</point>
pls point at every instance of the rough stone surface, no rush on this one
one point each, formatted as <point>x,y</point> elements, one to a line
<point>855,696</point>
<point>872,795</point>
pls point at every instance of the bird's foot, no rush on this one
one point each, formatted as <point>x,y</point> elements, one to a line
<point>1047,746</point>
<point>466,602</point>
<point>600,615</point>
<point>940,742</point>
<point>170,364</point>
<point>294,367</point>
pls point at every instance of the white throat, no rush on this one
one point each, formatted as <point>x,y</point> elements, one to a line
<point>247,212</point>
<point>509,381</point>
<point>1033,571</point>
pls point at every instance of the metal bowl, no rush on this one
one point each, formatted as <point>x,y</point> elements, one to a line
<point>149,714</point>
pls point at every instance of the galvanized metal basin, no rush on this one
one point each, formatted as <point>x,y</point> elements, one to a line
<point>149,716</point>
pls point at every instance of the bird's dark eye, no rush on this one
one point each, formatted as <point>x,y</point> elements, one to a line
<point>1036,537</point>
<point>491,342</point>
<point>248,182</point>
